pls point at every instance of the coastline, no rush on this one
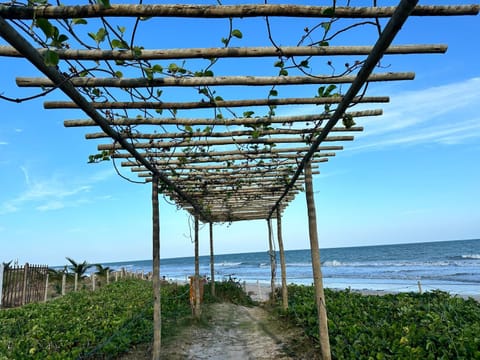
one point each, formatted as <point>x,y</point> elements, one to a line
<point>260,291</point>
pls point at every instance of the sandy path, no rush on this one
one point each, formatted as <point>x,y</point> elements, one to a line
<point>232,332</point>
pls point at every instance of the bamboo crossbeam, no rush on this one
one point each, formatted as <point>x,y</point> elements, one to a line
<point>226,134</point>
<point>229,52</point>
<point>230,180</point>
<point>233,166</point>
<point>279,150</point>
<point>225,121</point>
<point>223,11</point>
<point>230,177</point>
<point>170,144</point>
<point>225,158</point>
<point>189,105</point>
<point>211,80</point>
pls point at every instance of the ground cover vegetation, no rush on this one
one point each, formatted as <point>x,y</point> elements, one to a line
<point>432,325</point>
<point>91,325</point>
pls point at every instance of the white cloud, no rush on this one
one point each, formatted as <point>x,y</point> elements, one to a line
<point>3,143</point>
<point>438,115</point>
<point>53,193</point>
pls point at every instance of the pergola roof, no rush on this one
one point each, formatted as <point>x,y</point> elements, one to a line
<point>226,157</point>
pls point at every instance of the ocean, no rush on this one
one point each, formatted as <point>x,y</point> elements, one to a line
<point>452,266</point>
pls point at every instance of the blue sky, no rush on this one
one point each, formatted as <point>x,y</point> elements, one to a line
<point>412,176</point>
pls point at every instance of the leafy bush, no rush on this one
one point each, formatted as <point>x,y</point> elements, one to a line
<point>85,324</point>
<point>228,291</point>
<point>432,325</point>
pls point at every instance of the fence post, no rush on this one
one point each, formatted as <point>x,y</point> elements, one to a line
<point>1,283</point>
<point>108,277</point>
<point>46,289</point>
<point>75,285</point>
<point>93,282</point>
<point>116,276</point>
<point>25,280</point>
<point>64,283</point>
<point>419,287</point>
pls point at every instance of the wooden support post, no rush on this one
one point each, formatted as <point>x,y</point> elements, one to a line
<point>196,280</point>
<point>317,271</point>
<point>212,262</point>
<point>75,285</point>
<point>93,282</point>
<point>283,266</point>
<point>157,318</point>
<point>273,263</point>
<point>108,277</point>
<point>46,289</point>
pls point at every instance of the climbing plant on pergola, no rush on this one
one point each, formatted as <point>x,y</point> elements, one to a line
<point>222,155</point>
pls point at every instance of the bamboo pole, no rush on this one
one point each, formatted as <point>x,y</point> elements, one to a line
<point>273,263</point>
<point>212,261</point>
<point>197,308</point>
<point>283,266</point>
<point>210,142</point>
<point>213,159</point>
<point>189,105</point>
<point>264,164</point>
<point>225,121</point>
<point>223,11</point>
<point>157,317</point>
<point>225,134</point>
<point>229,52</point>
<point>317,271</point>
<point>247,152</point>
<point>210,80</point>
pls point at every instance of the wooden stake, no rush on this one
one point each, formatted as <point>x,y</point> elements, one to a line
<point>212,262</point>
<point>46,290</point>
<point>196,280</point>
<point>317,271</point>
<point>283,266</point>
<point>273,264</point>
<point>25,280</point>
<point>157,318</point>
<point>64,283</point>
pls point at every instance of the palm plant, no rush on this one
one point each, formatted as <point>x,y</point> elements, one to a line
<point>79,268</point>
<point>102,271</point>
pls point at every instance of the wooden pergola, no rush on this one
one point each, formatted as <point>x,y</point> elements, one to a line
<point>223,159</point>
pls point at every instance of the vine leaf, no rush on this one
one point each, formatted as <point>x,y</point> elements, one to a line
<point>237,33</point>
<point>51,58</point>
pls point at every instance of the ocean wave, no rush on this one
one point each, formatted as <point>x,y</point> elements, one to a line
<point>471,256</point>
<point>399,264</point>
<point>228,264</point>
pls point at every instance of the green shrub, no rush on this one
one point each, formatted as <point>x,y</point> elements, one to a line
<point>432,325</point>
<point>86,324</point>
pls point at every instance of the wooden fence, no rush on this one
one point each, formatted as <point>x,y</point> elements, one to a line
<point>20,285</point>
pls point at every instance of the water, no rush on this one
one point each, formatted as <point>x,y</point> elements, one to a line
<point>452,266</point>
